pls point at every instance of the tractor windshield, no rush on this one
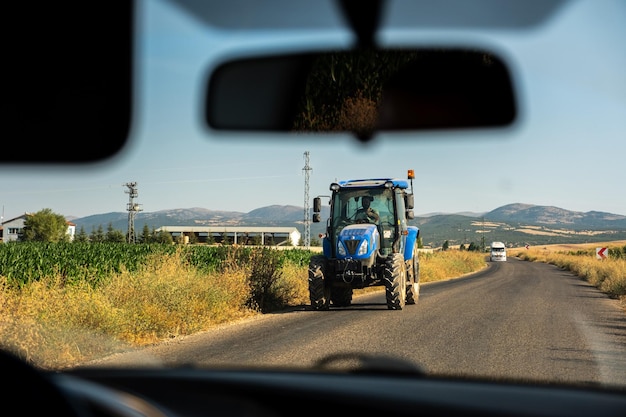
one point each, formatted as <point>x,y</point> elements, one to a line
<point>352,207</point>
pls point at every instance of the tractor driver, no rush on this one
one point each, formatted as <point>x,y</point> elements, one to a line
<point>366,214</point>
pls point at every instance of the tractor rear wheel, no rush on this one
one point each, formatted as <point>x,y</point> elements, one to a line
<point>413,285</point>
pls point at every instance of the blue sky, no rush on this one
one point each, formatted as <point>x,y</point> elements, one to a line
<point>568,149</point>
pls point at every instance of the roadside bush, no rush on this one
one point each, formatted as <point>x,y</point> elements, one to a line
<point>267,292</point>
<point>617,253</point>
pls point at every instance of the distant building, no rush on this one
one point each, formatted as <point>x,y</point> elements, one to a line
<point>11,230</point>
<point>71,230</point>
<point>241,235</point>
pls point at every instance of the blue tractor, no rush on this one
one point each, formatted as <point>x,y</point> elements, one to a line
<point>368,242</point>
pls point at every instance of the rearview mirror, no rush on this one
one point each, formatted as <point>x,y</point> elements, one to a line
<point>362,91</point>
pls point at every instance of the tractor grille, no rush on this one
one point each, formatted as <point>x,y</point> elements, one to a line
<point>352,245</point>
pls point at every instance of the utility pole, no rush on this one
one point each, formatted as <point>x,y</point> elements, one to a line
<point>132,209</point>
<point>483,236</point>
<point>307,208</point>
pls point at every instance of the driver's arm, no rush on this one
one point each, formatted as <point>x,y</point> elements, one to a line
<point>373,214</point>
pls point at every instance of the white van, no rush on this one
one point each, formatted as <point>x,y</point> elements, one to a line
<point>498,252</point>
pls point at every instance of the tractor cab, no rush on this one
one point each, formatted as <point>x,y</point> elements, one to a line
<point>365,215</point>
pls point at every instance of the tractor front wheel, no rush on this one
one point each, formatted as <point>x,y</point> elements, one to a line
<point>395,281</point>
<point>318,293</point>
<point>341,296</point>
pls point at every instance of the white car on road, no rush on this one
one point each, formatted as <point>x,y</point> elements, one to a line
<point>498,252</point>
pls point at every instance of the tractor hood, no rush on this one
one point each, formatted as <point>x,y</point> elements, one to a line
<point>358,241</point>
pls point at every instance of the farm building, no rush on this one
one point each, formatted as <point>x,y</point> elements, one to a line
<point>242,235</point>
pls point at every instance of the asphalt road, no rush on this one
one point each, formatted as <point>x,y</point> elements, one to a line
<point>516,320</point>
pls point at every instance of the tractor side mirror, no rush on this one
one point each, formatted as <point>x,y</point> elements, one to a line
<point>409,201</point>
<point>317,205</point>
<point>317,218</point>
<point>410,214</point>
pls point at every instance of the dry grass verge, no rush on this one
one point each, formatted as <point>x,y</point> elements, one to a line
<point>448,264</point>
<point>55,325</point>
<point>72,324</point>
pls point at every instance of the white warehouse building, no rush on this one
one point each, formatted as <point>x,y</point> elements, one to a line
<point>243,235</point>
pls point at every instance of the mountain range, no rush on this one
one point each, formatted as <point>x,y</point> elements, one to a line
<point>516,224</point>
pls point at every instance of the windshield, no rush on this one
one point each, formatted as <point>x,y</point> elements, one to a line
<point>371,206</point>
<point>351,206</point>
<point>186,246</point>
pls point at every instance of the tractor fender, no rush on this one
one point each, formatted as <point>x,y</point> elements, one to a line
<point>411,239</point>
<point>326,247</point>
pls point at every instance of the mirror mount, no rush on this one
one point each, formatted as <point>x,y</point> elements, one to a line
<point>364,18</point>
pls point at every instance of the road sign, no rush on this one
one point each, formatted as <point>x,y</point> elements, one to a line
<point>601,253</point>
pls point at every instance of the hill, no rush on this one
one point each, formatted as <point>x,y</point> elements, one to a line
<point>549,215</point>
<point>515,224</point>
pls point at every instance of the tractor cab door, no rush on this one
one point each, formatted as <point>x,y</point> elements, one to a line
<point>401,223</point>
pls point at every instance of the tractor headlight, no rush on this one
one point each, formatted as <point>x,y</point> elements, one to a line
<point>363,247</point>
<point>341,250</point>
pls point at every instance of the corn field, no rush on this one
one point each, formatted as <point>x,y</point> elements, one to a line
<point>24,262</point>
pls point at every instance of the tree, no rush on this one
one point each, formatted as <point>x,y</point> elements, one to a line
<point>81,236</point>
<point>97,235</point>
<point>146,236</point>
<point>445,246</point>
<point>163,237</point>
<point>155,235</point>
<point>45,226</point>
<point>193,238</point>
<point>114,236</point>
